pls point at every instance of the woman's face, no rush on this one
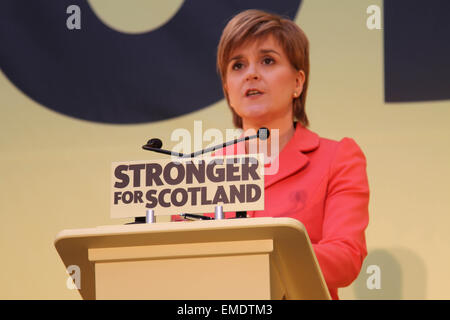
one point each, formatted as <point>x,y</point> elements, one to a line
<point>261,82</point>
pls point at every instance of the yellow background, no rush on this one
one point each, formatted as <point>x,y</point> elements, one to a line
<point>55,170</point>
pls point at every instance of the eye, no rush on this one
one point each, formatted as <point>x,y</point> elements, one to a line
<point>237,66</point>
<point>268,60</point>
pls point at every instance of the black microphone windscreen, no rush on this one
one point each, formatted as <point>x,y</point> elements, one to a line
<point>154,143</point>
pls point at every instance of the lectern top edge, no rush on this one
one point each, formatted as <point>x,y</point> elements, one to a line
<point>177,226</point>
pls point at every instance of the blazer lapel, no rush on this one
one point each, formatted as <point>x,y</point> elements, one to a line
<point>292,158</point>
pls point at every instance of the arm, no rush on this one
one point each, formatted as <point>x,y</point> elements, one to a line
<point>342,249</point>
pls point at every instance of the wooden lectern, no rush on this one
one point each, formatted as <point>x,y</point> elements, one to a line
<point>253,258</point>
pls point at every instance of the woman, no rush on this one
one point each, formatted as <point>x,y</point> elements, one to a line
<point>263,61</point>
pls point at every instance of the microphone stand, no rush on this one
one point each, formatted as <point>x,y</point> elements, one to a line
<point>156,144</point>
<point>197,153</point>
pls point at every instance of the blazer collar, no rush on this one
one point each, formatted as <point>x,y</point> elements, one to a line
<point>304,140</point>
<point>293,157</point>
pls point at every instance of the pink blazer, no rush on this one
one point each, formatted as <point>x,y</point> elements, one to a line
<point>323,184</point>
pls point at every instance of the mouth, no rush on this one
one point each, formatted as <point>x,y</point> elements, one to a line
<point>253,92</point>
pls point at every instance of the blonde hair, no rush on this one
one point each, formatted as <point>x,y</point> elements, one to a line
<point>255,25</point>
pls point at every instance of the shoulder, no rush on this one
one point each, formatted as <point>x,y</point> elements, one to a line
<point>307,141</point>
<point>342,162</point>
<point>347,165</point>
<point>335,153</point>
<point>345,146</point>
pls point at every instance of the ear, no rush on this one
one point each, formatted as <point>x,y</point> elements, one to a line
<point>299,81</point>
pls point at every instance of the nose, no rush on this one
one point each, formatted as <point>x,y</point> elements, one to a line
<point>252,73</point>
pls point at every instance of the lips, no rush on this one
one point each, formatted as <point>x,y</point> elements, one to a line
<point>253,92</point>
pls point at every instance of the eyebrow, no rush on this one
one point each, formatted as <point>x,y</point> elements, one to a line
<point>262,51</point>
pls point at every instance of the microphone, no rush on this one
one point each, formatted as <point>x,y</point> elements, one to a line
<point>155,145</point>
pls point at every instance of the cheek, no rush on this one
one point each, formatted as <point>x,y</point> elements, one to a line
<point>232,91</point>
<point>284,86</point>
<point>282,93</point>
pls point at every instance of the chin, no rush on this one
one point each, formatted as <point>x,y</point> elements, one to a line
<point>255,111</point>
